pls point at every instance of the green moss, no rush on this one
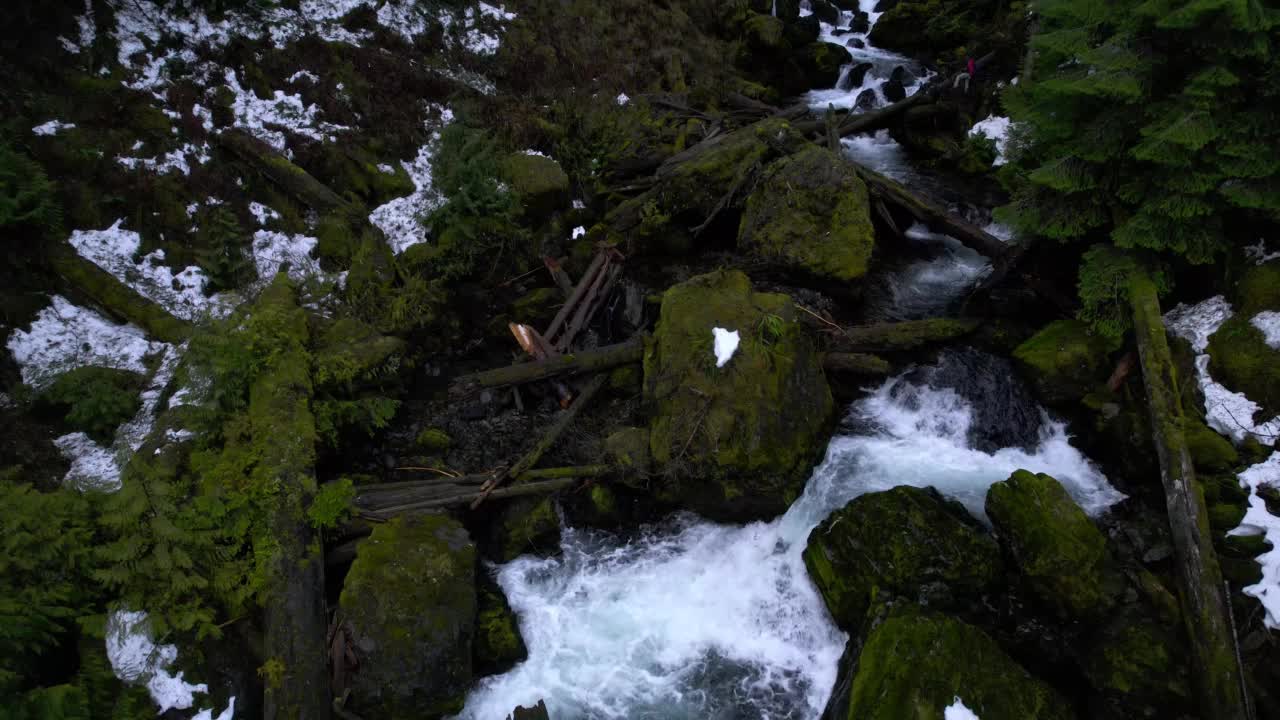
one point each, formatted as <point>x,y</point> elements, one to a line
<point>628,449</point>
<point>810,214</point>
<point>523,526</point>
<point>498,645</point>
<point>538,306</point>
<point>117,298</point>
<point>1139,665</point>
<point>349,350</point>
<point>1059,551</point>
<point>410,600</point>
<point>736,441</point>
<point>821,63</point>
<point>539,182</point>
<point>1241,360</point>
<point>95,400</point>
<point>763,32</point>
<point>1258,289</point>
<point>908,335</point>
<point>1210,451</point>
<point>914,665</point>
<point>1065,361</point>
<point>626,378</point>
<point>434,440</point>
<point>905,542</point>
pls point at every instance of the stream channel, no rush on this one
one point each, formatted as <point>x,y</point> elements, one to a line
<point>692,619</point>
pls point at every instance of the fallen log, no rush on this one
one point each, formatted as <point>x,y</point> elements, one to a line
<point>567,365</point>
<point>543,487</point>
<point>376,498</point>
<point>118,300</point>
<point>279,170</point>
<point>936,218</point>
<point>856,364</point>
<point>1205,611</point>
<point>901,336</point>
<point>531,458</point>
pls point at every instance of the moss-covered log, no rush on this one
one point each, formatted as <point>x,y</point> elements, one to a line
<point>118,299</point>
<point>856,364</point>
<point>970,235</point>
<point>578,363</point>
<point>279,409</point>
<point>900,336</point>
<point>1204,606</point>
<point>291,178</point>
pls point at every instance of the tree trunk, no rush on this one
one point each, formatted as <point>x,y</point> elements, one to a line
<point>900,336</point>
<point>117,299</point>
<point>578,363</point>
<point>1204,605</point>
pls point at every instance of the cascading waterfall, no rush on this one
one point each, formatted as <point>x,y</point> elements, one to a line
<point>699,620</point>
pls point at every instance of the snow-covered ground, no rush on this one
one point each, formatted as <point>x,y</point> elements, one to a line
<point>1235,415</point>
<point>996,129</point>
<point>400,220</point>
<point>137,659</point>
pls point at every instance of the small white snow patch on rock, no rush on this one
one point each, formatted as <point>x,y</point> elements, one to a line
<point>622,99</point>
<point>136,659</point>
<point>579,205</point>
<point>957,711</point>
<point>65,336</point>
<point>93,467</point>
<point>272,251</point>
<point>1197,322</point>
<point>996,129</point>
<point>1259,521</point>
<point>401,219</point>
<point>385,168</point>
<point>304,75</point>
<point>579,232</point>
<point>262,213</point>
<point>726,344</point>
<point>268,120</point>
<point>1268,321</point>
<point>170,162</point>
<point>53,127</point>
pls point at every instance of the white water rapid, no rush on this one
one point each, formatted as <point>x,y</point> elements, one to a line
<point>699,620</point>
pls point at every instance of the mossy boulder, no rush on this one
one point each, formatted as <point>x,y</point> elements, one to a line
<point>738,441</point>
<point>628,450</point>
<point>1210,451</point>
<point>1241,360</point>
<point>1257,289</point>
<point>906,542</point>
<point>410,600</point>
<point>821,63</point>
<point>763,33</point>
<point>540,183</point>
<point>1059,551</point>
<point>810,214</point>
<point>434,440</point>
<point>498,644</point>
<point>523,526</point>
<point>694,182</point>
<point>1139,668</point>
<point>1064,361</point>
<point>914,665</point>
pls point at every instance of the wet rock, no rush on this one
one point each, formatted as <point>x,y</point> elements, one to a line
<point>825,11</point>
<point>902,76</point>
<point>856,43</point>
<point>907,543</point>
<point>523,526</point>
<point>803,31</point>
<point>810,214</point>
<point>540,183</point>
<point>1139,668</point>
<point>498,644</point>
<point>866,101</point>
<point>855,76</point>
<point>1004,413</point>
<point>861,23</point>
<point>893,90</point>
<point>821,63</point>
<point>914,665</point>
<point>1057,548</point>
<point>1065,361</point>
<point>733,442</point>
<point>537,712</point>
<point>787,10</point>
<point>410,600</point>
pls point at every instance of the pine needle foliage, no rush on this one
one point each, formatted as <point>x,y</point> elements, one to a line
<point>1150,126</point>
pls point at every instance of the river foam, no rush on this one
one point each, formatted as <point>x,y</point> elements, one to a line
<point>699,620</point>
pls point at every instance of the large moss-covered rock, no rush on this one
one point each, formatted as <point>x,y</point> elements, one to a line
<point>1139,667</point>
<point>523,526</point>
<point>915,665</point>
<point>810,214</point>
<point>1064,361</point>
<point>1057,548</point>
<point>736,441</point>
<point>540,183</point>
<point>498,645</point>
<point>410,600</point>
<point>821,63</point>
<point>1241,360</point>
<point>1257,289</point>
<point>904,542</point>
<point>1211,452</point>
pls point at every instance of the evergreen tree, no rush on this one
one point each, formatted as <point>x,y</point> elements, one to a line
<point>1150,125</point>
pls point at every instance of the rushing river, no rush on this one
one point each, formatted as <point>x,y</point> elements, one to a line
<point>700,620</point>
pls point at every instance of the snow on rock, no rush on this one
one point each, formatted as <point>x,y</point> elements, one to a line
<point>579,205</point>
<point>273,251</point>
<point>227,714</point>
<point>93,467</point>
<point>129,436</point>
<point>1268,322</point>
<point>996,129</point>
<point>726,344</point>
<point>182,293</point>
<point>53,127</point>
<point>262,213</point>
<point>136,659</point>
<point>401,219</point>
<point>957,711</point>
<point>1259,521</point>
<point>303,75</point>
<point>268,120</point>
<point>173,161</point>
<point>472,31</point>
<point>1228,412</point>
<point>622,99</point>
<point>65,336</point>
<point>579,232</point>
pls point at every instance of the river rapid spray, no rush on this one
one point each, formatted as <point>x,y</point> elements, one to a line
<point>693,619</point>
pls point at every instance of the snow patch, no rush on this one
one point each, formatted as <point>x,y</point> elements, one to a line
<point>268,120</point>
<point>579,232</point>
<point>137,659</point>
<point>579,205</point>
<point>273,251</point>
<point>65,336</point>
<point>181,293</point>
<point>622,99</point>
<point>1268,321</point>
<point>957,711</point>
<point>93,467</point>
<point>1259,521</point>
<point>400,220</point>
<point>996,129</point>
<point>262,213</point>
<point>53,127</point>
<point>173,161</point>
<point>303,75</point>
<point>726,344</point>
